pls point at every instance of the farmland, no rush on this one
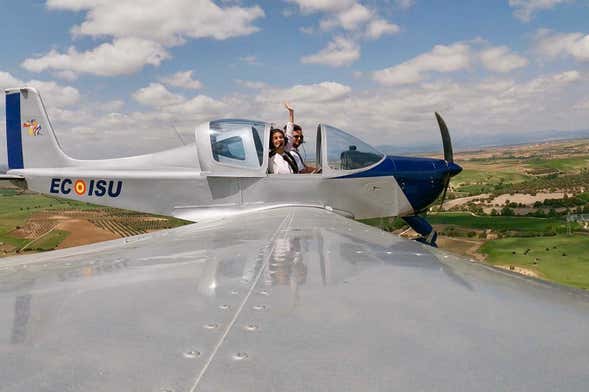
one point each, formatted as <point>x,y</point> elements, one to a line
<point>35,223</point>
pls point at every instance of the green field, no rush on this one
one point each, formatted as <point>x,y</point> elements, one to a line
<point>477,181</point>
<point>561,259</point>
<point>49,241</point>
<point>567,165</point>
<point>15,209</point>
<point>514,224</point>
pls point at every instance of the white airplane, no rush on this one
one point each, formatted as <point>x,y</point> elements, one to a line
<point>272,288</point>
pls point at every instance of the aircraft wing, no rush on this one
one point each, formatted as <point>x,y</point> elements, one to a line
<point>290,299</point>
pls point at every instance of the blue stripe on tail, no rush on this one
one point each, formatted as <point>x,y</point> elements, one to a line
<point>13,132</point>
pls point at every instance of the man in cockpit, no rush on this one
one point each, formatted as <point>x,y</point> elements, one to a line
<point>294,135</point>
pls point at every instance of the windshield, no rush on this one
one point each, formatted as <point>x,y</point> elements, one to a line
<point>237,142</point>
<point>346,152</point>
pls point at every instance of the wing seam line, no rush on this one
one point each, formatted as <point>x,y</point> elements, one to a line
<point>281,227</point>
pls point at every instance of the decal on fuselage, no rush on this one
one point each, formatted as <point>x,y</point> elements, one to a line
<point>99,188</point>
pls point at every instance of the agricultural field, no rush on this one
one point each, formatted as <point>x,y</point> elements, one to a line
<point>563,259</point>
<point>523,168</point>
<point>35,223</point>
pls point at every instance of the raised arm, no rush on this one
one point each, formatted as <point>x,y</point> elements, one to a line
<point>290,112</point>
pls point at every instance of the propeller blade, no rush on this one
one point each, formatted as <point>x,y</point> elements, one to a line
<point>448,154</point>
<point>446,185</point>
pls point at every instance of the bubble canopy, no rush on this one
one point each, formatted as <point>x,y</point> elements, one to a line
<point>237,143</point>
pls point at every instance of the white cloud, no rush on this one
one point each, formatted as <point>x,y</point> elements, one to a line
<point>182,79</point>
<point>349,19</point>
<point>525,9</point>
<point>309,6</point>
<point>67,74</point>
<point>379,27</point>
<point>441,58</point>
<point>501,59</point>
<point>307,94</point>
<point>54,94</point>
<point>156,95</point>
<point>124,56</point>
<point>169,23</point>
<point>170,105</point>
<point>111,106</point>
<point>339,52</point>
<point>7,80</point>
<point>251,84</point>
<point>471,109</point>
<point>357,20</point>
<point>552,44</point>
<point>140,31</point>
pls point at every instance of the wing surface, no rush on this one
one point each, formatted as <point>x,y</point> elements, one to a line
<point>291,299</point>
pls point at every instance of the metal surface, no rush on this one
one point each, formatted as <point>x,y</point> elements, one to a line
<point>289,299</point>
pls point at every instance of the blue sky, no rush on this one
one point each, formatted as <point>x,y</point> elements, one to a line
<point>131,71</point>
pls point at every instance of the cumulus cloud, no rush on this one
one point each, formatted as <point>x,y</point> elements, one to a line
<point>451,58</point>
<point>552,44</point>
<point>379,27</point>
<point>339,52</point>
<point>140,32</point>
<point>169,104</point>
<point>251,84</point>
<point>358,21</point>
<point>524,10</point>
<point>7,80</point>
<point>53,94</point>
<point>440,59</point>
<point>169,23</point>
<point>156,95</point>
<point>123,56</point>
<point>307,93</point>
<point>501,59</point>
<point>380,115</point>
<point>182,79</point>
<point>348,19</point>
<point>309,6</point>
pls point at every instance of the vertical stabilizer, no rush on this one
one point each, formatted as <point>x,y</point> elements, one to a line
<point>30,139</point>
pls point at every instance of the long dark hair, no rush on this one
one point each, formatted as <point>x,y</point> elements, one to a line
<point>272,132</point>
<point>286,155</point>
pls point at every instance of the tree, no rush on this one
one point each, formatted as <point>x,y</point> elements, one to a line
<point>506,211</point>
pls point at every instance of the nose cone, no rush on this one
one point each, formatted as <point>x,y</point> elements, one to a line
<point>453,169</point>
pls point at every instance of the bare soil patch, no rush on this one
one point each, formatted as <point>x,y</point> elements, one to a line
<point>464,246</point>
<point>83,232</point>
<point>520,270</point>
<point>528,199</point>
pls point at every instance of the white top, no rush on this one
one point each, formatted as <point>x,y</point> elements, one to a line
<point>277,165</point>
<point>290,148</point>
<point>298,160</point>
<point>289,130</point>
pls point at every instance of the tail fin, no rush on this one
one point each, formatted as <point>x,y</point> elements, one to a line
<point>30,139</point>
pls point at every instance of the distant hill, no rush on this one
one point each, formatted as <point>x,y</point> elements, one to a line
<point>483,141</point>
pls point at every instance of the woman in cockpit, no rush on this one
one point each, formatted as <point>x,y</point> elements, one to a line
<point>280,162</point>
